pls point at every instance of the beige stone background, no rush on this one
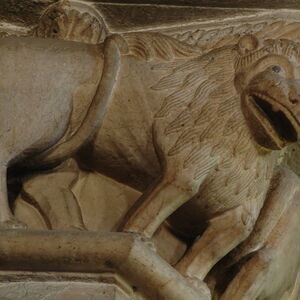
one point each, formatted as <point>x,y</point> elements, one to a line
<point>102,201</point>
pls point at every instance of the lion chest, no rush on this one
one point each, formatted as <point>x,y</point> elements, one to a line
<point>231,183</point>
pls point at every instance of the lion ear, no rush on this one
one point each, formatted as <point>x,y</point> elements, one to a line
<point>248,43</point>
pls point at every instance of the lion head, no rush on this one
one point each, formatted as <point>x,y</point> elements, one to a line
<point>268,79</point>
<point>233,95</point>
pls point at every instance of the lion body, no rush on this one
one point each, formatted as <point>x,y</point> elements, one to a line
<point>155,134</point>
<point>196,134</point>
<point>124,148</point>
<point>41,82</point>
<point>179,121</point>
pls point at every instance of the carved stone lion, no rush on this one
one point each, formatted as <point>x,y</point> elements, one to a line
<point>208,128</point>
<point>221,127</point>
<point>179,126</point>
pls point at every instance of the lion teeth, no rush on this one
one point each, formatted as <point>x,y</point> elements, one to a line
<point>264,97</point>
<point>275,108</point>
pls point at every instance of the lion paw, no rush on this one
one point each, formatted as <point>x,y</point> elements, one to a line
<point>200,286</point>
<point>12,223</point>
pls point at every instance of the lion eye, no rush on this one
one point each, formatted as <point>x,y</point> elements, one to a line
<point>276,69</point>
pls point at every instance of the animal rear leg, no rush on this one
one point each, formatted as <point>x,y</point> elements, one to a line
<point>281,193</point>
<point>154,206</point>
<point>273,269</point>
<point>249,282</point>
<point>7,220</point>
<point>223,233</point>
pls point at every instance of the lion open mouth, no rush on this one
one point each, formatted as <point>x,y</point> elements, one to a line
<point>278,118</point>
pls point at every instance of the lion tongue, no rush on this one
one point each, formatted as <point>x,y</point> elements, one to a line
<point>261,128</point>
<point>277,119</point>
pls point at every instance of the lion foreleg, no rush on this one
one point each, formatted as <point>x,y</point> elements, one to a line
<point>167,194</point>
<point>283,187</point>
<point>250,280</point>
<point>156,205</point>
<point>259,275</point>
<point>223,233</point>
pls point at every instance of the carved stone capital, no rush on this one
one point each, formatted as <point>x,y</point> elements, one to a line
<point>149,150</point>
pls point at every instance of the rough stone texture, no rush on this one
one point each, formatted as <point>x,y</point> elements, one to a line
<point>177,125</point>
<point>59,291</point>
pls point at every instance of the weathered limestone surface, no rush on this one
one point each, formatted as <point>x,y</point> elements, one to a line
<point>59,291</point>
<point>149,150</point>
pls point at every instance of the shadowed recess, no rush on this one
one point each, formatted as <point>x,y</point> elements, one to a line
<point>23,11</point>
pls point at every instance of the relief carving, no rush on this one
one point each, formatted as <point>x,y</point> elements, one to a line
<point>217,37</point>
<point>72,22</point>
<point>204,131</point>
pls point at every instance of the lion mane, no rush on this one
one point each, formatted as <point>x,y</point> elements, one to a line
<point>205,103</point>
